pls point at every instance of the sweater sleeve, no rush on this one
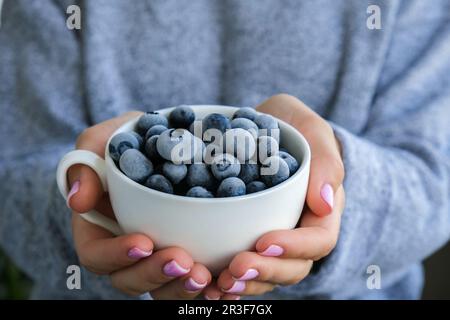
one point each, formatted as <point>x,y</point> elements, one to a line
<point>397,170</point>
<point>42,112</point>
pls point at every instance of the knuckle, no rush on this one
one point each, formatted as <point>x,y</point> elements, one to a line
<point>293,280</point>
<point>284,96</point>
<point>243,258</point>
<point>117,284</point>
<point>85,135</point>
<point>87,262</point>
<point>132,113</point>
<point>328,245</point>
<point>338,168</point>
<point>139,240</point>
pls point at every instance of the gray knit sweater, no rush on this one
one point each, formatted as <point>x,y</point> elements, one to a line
<point>387,93</point>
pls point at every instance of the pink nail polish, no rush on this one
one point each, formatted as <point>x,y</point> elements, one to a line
<point>237,298</point>
<point>136,253</point>
<point>210,298</point>
<point>173,269</point>
<point>192,285</point>
<point>272,251</point>
<point>327,194</point>
<point>248,275</point>
<point>75,188</point>
<point>237,287</point>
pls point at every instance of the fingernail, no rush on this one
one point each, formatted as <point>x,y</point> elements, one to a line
<point>237,298</point>
<point>327,194</point>
<point>210,298</point>
<point>136,253</point>
<point>192,285</point>
<point>173,269</point>
<point>237,287</point>
<point>75,188</point>
<point>272,251</point>
<point>248,275</point>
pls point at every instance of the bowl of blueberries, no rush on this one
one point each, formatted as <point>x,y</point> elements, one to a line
<point>210,179</point>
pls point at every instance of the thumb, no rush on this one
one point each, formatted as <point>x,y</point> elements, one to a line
<point>86,189</point>
<point>85,186</point>
<point>327,170</point>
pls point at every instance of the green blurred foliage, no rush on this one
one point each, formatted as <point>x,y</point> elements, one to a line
<point>13,283</point>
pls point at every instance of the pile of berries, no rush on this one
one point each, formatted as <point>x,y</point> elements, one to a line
<point>205,158</point>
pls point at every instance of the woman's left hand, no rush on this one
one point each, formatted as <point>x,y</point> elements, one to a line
<point>285,257</point>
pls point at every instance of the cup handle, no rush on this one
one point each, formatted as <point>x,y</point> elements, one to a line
<point>99,166</point>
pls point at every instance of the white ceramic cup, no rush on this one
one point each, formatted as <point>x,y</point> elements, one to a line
<point>211,230</point>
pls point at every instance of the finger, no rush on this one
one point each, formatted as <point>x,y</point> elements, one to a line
<point>228,285</point>
<point>315,238</point>
<point>211,292</point>
<point>153,272</point>
<point>252,266</point>
<point>102,253</point>
<point>85,187</point>
<point>327,169</point>
<point>186,287</point>
<point>229,296</point>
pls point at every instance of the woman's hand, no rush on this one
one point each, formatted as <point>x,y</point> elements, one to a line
<point>129,259</point>
<point>285,257</point>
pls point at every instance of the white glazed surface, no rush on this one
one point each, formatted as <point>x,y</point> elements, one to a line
<point>211,230</point>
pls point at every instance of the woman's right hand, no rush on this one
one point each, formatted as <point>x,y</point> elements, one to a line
<point>129,260</point>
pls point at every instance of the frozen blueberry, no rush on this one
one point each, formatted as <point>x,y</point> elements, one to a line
<point>120,143</point>
<point>246,112</point>
<point>268,126</point>
<point>211,150</point>
<point>150,119</point>
<point>245,124</point>
<point>255,186</point>
<point>179,146</point>
<point>135,165</point>
<point>182,117</point>
<point>155,131</point>
<point>198,175</point>
<point>160,183</point>
<point>139,138</point>
<point>224,166</point>
<point>274,170</point>
<point>151,150</point>
<point>240,143</point>
<point>231,187</point>
<point>267,147</point>
<point>199,192</point>
<point>174,172</point>
<point>216,121</point>
<point>290,160</point>
<point>249,172</point>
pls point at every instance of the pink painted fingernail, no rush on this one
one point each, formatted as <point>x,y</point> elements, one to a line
<point>237,287</point>
<point>248,275</point>
<point>192,285</point>
<point>272,251</point>
<point>173,269</point>
<point>136,253</point>
<point>75,188</point>
<point>237,298</point>
<point>210,298</point>
<point>327,194</point>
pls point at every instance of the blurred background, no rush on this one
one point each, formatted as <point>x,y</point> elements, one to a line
<point>15,285</point>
